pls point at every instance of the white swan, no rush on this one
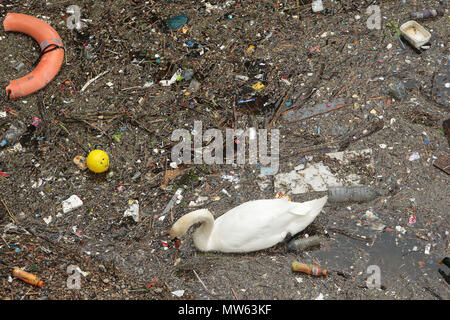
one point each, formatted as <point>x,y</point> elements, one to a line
<point>251,226</point>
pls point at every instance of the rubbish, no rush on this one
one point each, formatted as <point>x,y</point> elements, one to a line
<point>176,198</point>
<point>13,134</point>
<point>74,202</point>
<point>194,86</point>
<point>400,229</point>
<point>428,13</point>
<point>427,248</point>
<point>303,244</point>
<point>305,113</point>
<point>443,163</point>
<point>178,293</point>
<point>317,176</point>
<point>311,269</point>
<point>352,194</point>
<point>317,6</point>
<point>188,74</point>
<point>173,79</point>
<point>80,161</point>
<point>414,156</point>
<point>177,22</point>
<point>258,86</point>
<point>28,277</point>
<point>415,33</point>
<point>51,46</point>
<point>373,222</point>
<point>97,161</point>
<point>133,211</point>
<point>238,231</point>
<point>92,80</point>
<point>89,51</point>
<point>18,65</point>
<point>445,261</point>
<point>319,297</point>
<point>397,90</point>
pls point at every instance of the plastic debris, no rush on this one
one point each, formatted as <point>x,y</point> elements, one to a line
<point>178,293</point>
<point>176,198</point>
<point>13,134</point>
<point>28,277</point>
<point>443,163</point>
<point>74,202</point>
<point>414,156</point>
<point>426,14</point>
<point>177,22</point>
<point>311,269</point>
<point>80,161</point>
<point>352,194</point>
<point>397,90</point>
<point>415,33</point>
<point>303,244</point>
<point>305,113</point>
<point>317,6</point>
<point>133,211</point>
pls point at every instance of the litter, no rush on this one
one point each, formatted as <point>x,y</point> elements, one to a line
<point>428,13</point>
<point>352,194</point>
<point>443,163</point>
<point>311,269</point>
<point>415,33</point>
<point>13,134</point>
<point>28,277</point>
<point>133,211</point>
<point>73,203</point>
<point>176,198</point>
<point>305,113</point>
<point>177,22</point>
<point>303,244</point>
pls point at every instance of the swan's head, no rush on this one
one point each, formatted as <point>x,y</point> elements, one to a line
<point>182,225</point>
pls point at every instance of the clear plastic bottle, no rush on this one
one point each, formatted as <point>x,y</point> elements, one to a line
<point>13,134</point>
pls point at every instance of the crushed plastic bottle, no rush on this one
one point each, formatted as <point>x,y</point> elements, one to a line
<point>352,194</point>
<point>304,243</point>
<point>426,14</point>
<point>13,134</point>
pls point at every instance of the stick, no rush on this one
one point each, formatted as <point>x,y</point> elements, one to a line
<point>200,280</point>
<point>93,79</point>
<point>13,218</point>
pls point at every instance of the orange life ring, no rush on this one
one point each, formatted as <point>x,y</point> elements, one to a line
<point>50,59</point>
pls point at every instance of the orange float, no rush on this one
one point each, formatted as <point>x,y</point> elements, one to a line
<point>50,58</point>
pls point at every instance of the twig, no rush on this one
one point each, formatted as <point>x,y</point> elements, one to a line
<point>200,280</point>
<point>13,218</point>
<point>93,79</point>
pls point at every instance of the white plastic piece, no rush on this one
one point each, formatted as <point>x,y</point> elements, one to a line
<point>74,202</point>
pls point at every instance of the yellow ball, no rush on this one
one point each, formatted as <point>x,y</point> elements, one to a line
<point>97,161</point>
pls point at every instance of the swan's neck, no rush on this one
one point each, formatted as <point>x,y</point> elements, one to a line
<point>202,235</point>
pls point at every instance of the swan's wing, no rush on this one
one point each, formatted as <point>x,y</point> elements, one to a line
<point>260,224</point>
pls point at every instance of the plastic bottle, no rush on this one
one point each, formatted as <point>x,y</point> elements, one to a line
<point>13,134</point>
<point>352,194</point>
<point>425,14</point>
<point>311,269</point>
<point>303,244</point>
<point>89,51</point>
<point>28,277</point>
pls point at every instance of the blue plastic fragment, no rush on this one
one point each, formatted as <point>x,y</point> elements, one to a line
<point>177,22</point>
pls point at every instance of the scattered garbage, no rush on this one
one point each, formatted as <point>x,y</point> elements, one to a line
<point>13,134</point>
<point>311,269</point>
<point>443,163</point>
<point>352,194</point>
<point>415,33</point>
<point>317,6</point>
<point>80,161</point>
<point>28,277</point>
<point>397,90</point>
<point>98,161</point>
<point>72,203</point>
<point>177,22</point>
<point>304,243</point>
<point>426,14</point>
<point>305,113</point>
<point>133,211</point>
